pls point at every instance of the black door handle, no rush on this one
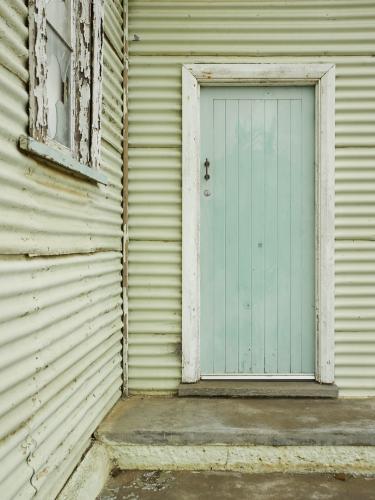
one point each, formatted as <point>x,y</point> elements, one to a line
<point>206,165</point>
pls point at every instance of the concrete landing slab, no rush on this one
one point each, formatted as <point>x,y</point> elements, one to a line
<point>167,485</point>
<point>258,389</point>
<point>241,422</point>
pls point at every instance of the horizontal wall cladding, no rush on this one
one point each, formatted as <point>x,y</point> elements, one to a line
<point>355,317</point>
<point>355,194</point>
<point>155,194</point>
<point>155,98</point>
<point>60,270</point>
<point>355,270</point>
<point>164,35</point>
<point>43,210</point>
<point>60,369</point>
<point>154,315</point>
<point>258,27</point>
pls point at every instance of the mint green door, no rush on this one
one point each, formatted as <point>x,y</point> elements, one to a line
<point>257,248</point>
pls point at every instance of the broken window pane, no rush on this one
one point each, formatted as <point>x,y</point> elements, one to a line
<point>58,15</point>
<point>59,59</point>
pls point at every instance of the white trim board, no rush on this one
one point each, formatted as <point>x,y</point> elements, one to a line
<point>322,76</point>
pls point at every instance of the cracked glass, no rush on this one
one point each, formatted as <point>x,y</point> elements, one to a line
<point>59,71</point>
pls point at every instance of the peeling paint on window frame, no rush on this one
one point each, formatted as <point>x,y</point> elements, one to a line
<point>87,22</point>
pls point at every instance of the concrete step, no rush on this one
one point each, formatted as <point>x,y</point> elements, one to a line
<point>254,435</point>
<point>258,389</point>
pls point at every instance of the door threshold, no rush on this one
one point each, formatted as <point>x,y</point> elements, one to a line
<point>258,389</point>
<point>259,377</point>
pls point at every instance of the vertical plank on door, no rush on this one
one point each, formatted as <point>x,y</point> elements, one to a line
<point>283,237</point>
<point>207,269</point>
<point>218,286</point>
<point>257,222</point>
<point>296,275</point>
<point>244,242</point>
<point>270,240</point>
<point>308,232</point>
<point>231,236</point>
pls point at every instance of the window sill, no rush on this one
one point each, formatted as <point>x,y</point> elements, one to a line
<point>61,160</point>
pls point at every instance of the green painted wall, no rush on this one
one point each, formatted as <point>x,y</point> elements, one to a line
<point>163,36</point>
<point>60,274</point>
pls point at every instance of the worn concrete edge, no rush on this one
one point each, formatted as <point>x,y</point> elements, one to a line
<point>90,476</point>
<point>60,160</point>
<point>238,437</point>
<point>358,460</point>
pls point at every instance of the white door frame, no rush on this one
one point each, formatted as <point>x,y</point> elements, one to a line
<point>322,76</point>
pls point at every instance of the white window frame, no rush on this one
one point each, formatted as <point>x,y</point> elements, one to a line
<point>322,77</point>
<point>83,158</point>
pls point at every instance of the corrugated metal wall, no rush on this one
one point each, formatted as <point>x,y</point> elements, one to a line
<point>60,275</point>
<point>172,33</point>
